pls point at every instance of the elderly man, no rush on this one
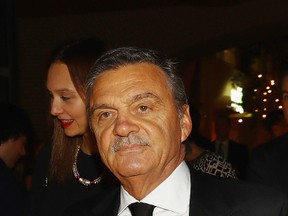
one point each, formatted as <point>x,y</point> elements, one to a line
<point>138,111</point>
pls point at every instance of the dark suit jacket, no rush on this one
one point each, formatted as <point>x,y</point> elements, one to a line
<point>210,196</point>
<point>238,157</point>
<point>12,198</point>
<point>269,164</point>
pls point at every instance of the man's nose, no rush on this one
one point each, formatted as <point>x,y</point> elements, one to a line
<point>124,125</point>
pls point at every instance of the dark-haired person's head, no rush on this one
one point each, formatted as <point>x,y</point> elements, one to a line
<point>15,130</point>
<point>275,123</point>
<point>139,113</point>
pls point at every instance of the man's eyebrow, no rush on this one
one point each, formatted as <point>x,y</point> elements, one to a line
<point>284,91</point>
<point>98,106</point>
<point>141,96</point>
<point>133,99</point>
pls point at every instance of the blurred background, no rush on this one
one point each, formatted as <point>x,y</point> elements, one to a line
<point>230,53</point>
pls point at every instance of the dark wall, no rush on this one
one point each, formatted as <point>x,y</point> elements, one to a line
<point>8,57</point>
<point>174,30</point>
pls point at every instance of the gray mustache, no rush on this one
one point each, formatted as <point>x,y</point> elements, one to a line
<point>132,139</point>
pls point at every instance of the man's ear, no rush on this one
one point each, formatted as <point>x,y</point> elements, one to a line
<point>186,123</point>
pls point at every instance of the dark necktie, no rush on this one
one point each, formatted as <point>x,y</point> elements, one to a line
<point>141,209</point>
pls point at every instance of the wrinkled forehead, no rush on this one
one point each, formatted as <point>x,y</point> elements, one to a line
<point>137,72</point>
<point>141,77</point>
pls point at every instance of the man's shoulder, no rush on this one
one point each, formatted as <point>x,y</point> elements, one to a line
<point>7,180</point>
<point>216,194</point>
<point>104,203</point>
<point>273,147</point>
<point>276,143</point>
<point>215,184</point>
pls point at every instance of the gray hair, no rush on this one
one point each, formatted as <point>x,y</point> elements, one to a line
<point>116,58</point>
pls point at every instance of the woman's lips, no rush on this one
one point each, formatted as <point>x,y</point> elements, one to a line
<point>66,123</point>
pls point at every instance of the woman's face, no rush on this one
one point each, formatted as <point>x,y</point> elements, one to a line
<point>66,103</point>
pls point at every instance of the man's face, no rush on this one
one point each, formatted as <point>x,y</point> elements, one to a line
<point>285,97</point>
<point>134,118</point>
<point>14,149</point>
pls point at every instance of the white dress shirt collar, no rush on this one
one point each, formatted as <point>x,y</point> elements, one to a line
<point>172,195</point>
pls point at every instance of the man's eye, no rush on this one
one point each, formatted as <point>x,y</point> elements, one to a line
<point>105,115</point>
<point>143,108</point>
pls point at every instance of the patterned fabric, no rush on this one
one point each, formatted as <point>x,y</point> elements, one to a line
<point>214,164</point>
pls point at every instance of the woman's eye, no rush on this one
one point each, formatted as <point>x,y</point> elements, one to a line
<point>50,95</point>
<point>64,98</point>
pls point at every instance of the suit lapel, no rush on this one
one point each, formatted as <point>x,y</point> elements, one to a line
<point>204,198</point>
<point>109,204</point>
<point>195,207</point>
